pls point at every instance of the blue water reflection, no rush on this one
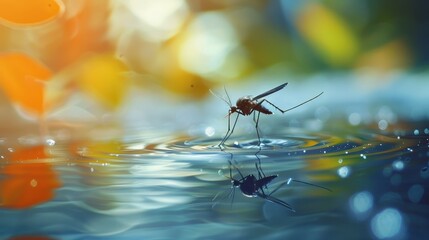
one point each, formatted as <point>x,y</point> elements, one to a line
<point>164,189</point>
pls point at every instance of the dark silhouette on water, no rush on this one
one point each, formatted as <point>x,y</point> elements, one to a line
<point>250,186</point>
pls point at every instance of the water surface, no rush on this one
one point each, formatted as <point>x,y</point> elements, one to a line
<point>163,188</point>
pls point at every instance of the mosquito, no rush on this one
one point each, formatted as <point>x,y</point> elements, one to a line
<point>250,186</point>
<point>248,105</point>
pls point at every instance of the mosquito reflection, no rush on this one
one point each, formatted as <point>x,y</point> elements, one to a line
<point>252,186</point>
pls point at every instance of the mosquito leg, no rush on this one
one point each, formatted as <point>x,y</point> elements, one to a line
<point>257,127</point>
<point>226,135</point>
<point>230,131</point>
<point>238,170</point>
<point>278,187</point>
<point>233,195</point>
<point>259,164</point>
<point>287,110</point>
<point>312,184</point>
<point>272,104</point>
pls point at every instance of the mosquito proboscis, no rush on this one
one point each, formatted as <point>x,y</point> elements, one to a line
<point>248,105</point>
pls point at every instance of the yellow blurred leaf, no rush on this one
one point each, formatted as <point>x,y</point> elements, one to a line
<point>103,78</point>
<point>327,34</point>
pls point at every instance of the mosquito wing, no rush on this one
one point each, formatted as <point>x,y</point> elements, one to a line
<point>278,88</point>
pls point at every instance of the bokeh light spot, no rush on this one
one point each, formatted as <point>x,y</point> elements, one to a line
<point>361,202</point>
<point>387,224</point>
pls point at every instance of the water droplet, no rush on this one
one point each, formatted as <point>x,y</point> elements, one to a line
<point>410,149</point>
<point>220,172</point>
<point>50,142</point>
<point>209,131</point>
<point>361,202</point>
<point>416,132</point>
<point>383,124</point>
<point>346,152</point>
<point>398,165</point>
<point>398,137</point>
<point>33,183</point>
<point>343,172</point>
<point>415,193</point>
<point>304,151</point>
<point>426,130</point>
<point>387,224</point>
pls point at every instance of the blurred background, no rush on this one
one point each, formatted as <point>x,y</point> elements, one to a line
<point>143,64</point>
<point>108,126</point>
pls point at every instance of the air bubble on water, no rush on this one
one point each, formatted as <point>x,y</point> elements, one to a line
<point>415,193</point>
<point>340,160</point>
<point>426,131</point>
<point>304,151</point>
<point>416,132</point>
<point>11,149</point>
<point>398,165</point>
<point>410,149</point>
<point>361,202</point>
<point>220,172</point>
<point>209,131</point>
<point>1,156</point>
<point>383,124</point>
<point>387,224</point>
<point>343,172</point>
<point>91,169</point>
<point>398,137</point>
<point>324,151</point>
<point>346,152</point>
<point>50,142</point>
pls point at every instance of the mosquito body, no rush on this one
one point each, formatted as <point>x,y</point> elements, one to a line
<point>247,105</point>
<point>252,186</point>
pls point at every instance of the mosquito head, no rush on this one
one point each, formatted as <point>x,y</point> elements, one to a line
<point>235,183</point>
<point>232,110</point>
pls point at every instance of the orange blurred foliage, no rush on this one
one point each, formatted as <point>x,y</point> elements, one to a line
<point>31,238</point>
<point>28,181</point>
<point>23,80</point>
<point>83,31</point>
<point>29,12</point>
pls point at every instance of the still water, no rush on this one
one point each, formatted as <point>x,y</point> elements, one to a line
<point>163,188</point>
